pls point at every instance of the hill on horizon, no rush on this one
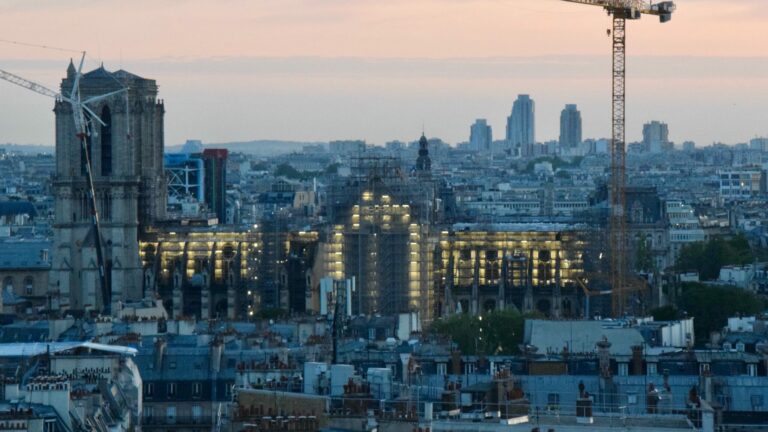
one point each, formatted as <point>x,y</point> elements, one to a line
<point>256,147</point>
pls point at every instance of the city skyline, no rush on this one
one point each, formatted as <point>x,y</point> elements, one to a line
<point>703,80</point>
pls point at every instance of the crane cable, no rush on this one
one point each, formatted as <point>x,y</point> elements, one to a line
<point>69,50</point>
<point>48,47</point>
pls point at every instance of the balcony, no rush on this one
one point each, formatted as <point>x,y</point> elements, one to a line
<point>178,421</point>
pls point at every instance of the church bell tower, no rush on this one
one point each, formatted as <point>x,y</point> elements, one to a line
<point>127,163</point>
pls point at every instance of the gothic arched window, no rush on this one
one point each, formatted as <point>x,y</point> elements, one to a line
<point>106,142</point>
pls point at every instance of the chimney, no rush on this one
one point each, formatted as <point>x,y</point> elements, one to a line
<point>217,349</point>
<point>160,346</point>
<point>637,360</point>
<point>456,362</point>
<point>604,357</point>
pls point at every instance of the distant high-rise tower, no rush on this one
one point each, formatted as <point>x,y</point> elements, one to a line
<point>130,186</point>
<point>521,125</point>
<point>215,165</point>
<point>570,127</point>
<point>423,163</point>
<point>656,137</point>
<point>480,136</point>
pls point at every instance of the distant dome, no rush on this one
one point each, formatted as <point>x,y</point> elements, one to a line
<point>192,146</point>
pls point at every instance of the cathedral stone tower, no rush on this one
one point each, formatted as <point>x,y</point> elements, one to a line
<point>127,160</point>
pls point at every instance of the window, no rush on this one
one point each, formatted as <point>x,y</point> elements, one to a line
<point>171,389</point>
<point>170,414</point>
<point>553,401</point>
<point>623,369</point>
<point>149,390</point>
<point>197,389</point>
<point>652,369</point>
<point>105,207</point>
<point>148,412</point>
<point>197,412</point>
<point>442,369</point>
<point>29,285</point>
<point>8,284</point>
<point>106,142</point>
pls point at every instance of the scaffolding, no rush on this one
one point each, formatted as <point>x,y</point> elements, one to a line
<point>381,237</point>
<point>525,266</point>
<point>207,274</point>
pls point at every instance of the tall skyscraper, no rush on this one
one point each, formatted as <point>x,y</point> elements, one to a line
<point>656,137</point>
<point>480,136</point>
<point>570,127</point>
<point>521,125</point>
<point>130,188</point>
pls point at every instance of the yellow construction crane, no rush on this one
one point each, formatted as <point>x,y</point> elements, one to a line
<point>621,11</point>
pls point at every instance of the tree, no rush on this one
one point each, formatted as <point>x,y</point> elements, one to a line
<point>288,171</point>
<point>707,258</point>
<point>496,332</point>
<point>643,256</point>
<point>332,168</point>
<point>711,306</point>
<point>665,313</point>
<point>260,166</point>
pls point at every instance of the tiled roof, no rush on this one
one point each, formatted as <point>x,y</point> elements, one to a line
<point>24,254</point>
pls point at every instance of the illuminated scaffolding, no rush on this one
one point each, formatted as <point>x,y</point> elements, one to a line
<point>205,274</point>
<point>381,237</point>
<point>523,266</point>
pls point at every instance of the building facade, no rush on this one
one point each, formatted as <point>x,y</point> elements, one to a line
<point>215,163</point>
<point>204,273</point>
<point>521,125</point>
<point>480,136</point>
<point>570,127</point>
<point>481,268</point>
<point>740,184</point>
<point>656,137</point>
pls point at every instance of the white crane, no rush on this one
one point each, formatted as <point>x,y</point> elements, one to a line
<point>82,128</point>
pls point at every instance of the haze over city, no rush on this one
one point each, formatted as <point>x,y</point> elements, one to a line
<point>323,70</point>
<point>383,216</point>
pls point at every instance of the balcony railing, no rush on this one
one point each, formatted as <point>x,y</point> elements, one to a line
<point>177,421</point>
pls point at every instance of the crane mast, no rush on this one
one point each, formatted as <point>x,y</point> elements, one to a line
<point>617,195</point>
<point>79,109</point>
<point>620,11</point>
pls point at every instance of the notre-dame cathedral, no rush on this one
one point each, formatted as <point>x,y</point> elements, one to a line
<point>127,160</point>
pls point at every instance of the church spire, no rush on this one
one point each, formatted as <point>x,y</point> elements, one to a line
<point>71,69</point>
<point>423,163</point>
